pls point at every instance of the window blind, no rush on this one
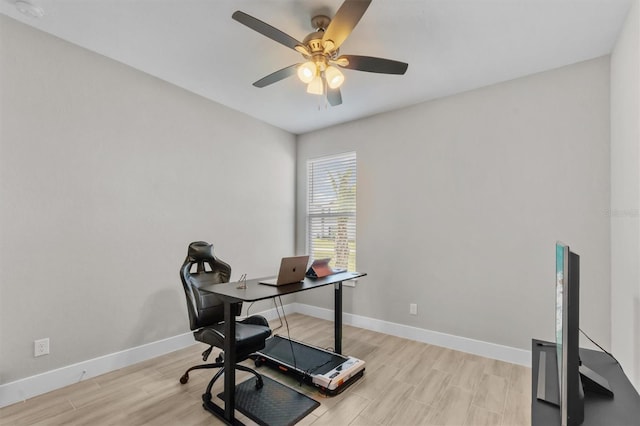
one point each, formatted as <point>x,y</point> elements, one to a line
<point>331,209</point>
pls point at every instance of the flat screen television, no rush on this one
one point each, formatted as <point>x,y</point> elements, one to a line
<point>573,378</point>
<point>567,335</point>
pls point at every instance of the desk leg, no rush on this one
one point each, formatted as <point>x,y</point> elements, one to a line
<point>337,322</point>
<point>229,363</point>
<point>227,414</point>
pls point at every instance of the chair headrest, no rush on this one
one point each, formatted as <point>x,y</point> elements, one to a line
<point>200,251</point>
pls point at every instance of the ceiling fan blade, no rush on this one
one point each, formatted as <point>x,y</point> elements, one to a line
<point>347,17</point>
<point>277,76</point>
<point>334,96</point>
<point>265,29</point>
<point>371,64</point>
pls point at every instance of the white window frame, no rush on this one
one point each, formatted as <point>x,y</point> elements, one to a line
<point>349,210</point>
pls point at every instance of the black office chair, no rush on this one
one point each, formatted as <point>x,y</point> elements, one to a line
<point>206,313</point>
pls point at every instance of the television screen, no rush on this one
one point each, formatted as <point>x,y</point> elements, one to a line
<point>562,260</point>
<point>561,257</point>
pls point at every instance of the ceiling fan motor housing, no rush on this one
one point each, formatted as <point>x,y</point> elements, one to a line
<point>314,42</point>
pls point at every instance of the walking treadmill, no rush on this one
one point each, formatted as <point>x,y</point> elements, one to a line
<point>329,371</point>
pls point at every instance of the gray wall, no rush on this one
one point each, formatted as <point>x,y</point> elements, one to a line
<point>461,200</point>
<point>106,174</point>
<point>625,197</point>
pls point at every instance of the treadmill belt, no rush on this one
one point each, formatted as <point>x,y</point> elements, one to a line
<point>308,359</point>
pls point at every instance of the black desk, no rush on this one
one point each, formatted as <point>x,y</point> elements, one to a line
<point>621,410</point>
<point>230,294</point>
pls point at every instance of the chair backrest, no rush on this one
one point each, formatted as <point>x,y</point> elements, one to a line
<point>204,308</point>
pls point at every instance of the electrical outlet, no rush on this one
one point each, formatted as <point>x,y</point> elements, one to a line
<point>41,347</point>
<point>413,309</point>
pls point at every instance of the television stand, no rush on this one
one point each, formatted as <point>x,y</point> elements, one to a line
<point>593,382</point>
<point>547,385</point>
<point>599,408</point>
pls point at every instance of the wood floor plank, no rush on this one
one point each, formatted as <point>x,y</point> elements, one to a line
<point>375,382</point>
<point>448,360</point>
<point>452,409</point>
<point>344,412</point>
<point>481,417</point>
<point>432,387</point>
<point>517,409</point>
<point>35,410</point>
<point>520,379</point>
<point>361,420</point>
<point>470,373</point>
<point>491,393</point>
<point>385,407</point>
<point>415,366</point>
<point>498,368</point>
<point>411,412</point>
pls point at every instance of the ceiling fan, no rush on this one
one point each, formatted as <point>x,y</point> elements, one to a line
<point>320,50</point>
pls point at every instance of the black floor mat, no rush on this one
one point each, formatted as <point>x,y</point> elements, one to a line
<point>273,405</point>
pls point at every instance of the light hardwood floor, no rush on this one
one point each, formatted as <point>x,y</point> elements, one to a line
<point>405,383</point>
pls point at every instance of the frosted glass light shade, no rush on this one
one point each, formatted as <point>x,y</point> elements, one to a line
<point>307,71</point>
<point>334,77</point>
<point>316,86</point>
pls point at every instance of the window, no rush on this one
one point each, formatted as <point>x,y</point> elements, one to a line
<point>331,209</point>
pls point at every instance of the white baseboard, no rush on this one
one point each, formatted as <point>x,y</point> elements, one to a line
<point>463,344</point>
<point>26,388</point>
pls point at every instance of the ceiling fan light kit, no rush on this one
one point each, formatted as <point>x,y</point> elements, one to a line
<point>320,49</point>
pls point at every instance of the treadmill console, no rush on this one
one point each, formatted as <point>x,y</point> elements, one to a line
<point>333,379</point>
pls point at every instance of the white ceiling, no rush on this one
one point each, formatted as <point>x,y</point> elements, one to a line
<point>451,46</point>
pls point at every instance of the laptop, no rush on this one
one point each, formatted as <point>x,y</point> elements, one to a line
<point>292,270</point>
<point>320,268</point>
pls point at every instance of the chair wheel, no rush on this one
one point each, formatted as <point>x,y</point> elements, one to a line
<point>184,379</point>
<point>259,383</point>
<point>257,362</point>
<point>220,357</point>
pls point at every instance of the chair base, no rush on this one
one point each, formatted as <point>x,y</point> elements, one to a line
<point>259,382</point>
<point>207,402</point>
<point>185,377</point>
<point>216,410</point>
